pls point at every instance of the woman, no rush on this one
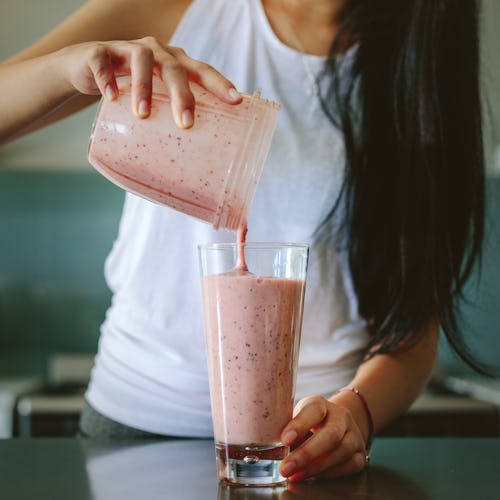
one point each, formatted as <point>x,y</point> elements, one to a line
<point>379,141</point>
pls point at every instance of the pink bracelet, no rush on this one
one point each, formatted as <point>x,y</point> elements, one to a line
<point>371,425</point>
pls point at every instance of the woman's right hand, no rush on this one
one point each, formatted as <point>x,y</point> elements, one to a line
<point>91,68</point>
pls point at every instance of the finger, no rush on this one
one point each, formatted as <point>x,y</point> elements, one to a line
<point>304,473</point>
<point>309,413</point>
<point>324,448</point>
<point>208,77</point>
<point>141,66</point>
<point>182,100</point>
<point>100,64</point>
<point>355,464</point>
<point>330,456</point>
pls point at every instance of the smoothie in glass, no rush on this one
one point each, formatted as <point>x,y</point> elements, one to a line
<point>253,320</point>
<point>252,336</point>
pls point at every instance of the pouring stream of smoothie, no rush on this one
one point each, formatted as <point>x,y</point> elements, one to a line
<point>241,236</point>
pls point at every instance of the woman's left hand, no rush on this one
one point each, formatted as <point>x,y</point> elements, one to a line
<point>327,440</point>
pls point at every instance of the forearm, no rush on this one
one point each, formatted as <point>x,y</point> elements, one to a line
<point>390,382</point>
<point>31,90</point>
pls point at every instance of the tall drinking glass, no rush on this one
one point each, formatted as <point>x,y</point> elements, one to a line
<point>253,321</point>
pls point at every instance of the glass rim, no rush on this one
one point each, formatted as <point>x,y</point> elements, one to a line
<point>252,244</point>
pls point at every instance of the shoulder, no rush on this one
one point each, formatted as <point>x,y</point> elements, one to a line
<point>138,18</point>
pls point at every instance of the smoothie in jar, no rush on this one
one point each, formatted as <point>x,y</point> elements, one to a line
<point>209,171</point>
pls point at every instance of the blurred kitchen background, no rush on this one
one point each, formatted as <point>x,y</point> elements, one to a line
<point>58,220</point>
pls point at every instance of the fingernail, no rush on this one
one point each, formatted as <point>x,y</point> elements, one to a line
<point>143,108</point>
<point>187,118</point>
<point>109,92</point>
<point>289,437</point>
<point>234,94</point>
<point>288,468</point>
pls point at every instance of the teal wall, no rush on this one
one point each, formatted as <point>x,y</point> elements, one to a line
<point>55,232</point>
<point>481,310</point>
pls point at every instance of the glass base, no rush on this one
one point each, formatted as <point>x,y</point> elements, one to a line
<point>251,465</point>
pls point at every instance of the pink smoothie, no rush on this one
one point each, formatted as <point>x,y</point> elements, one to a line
<point>209,171</point>
<point>164,167</point>
<point>252,323</point>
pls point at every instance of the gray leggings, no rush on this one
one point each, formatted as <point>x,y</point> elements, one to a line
<point>95,425</point>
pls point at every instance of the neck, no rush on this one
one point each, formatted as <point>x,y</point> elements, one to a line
<point>314,23</point>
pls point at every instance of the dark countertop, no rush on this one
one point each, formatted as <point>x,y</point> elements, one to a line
<point>83,469</point>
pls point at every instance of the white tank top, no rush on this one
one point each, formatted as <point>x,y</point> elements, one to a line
<point>150,370</point>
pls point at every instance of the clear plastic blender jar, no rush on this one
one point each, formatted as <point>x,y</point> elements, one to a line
<point>210,171</point>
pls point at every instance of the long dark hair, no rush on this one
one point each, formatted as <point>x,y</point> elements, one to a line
<point>414,186</point>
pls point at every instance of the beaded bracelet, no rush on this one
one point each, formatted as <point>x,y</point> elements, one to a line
<point>371,425</point>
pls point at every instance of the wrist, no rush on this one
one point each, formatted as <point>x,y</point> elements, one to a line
<point>61,63</point>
